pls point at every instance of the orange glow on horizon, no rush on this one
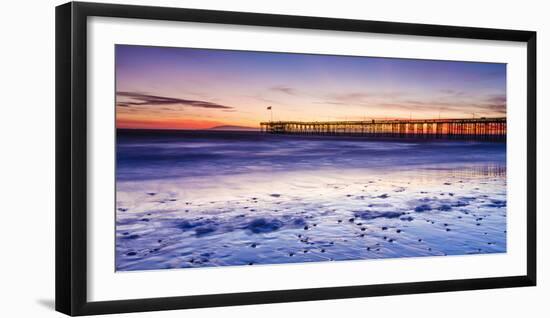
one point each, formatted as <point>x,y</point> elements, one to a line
<point>166,123</point>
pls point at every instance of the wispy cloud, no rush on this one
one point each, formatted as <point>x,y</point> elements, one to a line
<point>361,98</point>
<point>330,103</point>
<point>453,93</point>
<point>496,103</point>
<point>482,105</point>
<point>499,99</point>
<point>349,97</point>
<point>444,100</point>
<point>285,90</point>
<point>140,99</point>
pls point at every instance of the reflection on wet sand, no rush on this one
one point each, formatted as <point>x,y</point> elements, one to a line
<point>488,170</point>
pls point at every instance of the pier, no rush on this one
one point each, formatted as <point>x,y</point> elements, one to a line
<point>471,128</point>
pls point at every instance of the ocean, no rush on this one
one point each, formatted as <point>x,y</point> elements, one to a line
<point>221,198</point>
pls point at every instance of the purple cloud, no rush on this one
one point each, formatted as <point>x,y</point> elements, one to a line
<point>139,99</point>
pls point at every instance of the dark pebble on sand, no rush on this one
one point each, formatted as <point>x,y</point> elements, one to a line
<point>339,221</point>
<point>422,208</point>
<point>384,228</point>
<point>371,215</point>
<point>447,183</point>
<point>253,245</point>
<point>264,226</point>
<point>131,237</point>
<point>398,231</point>
<point>122,209</point>
<point>151,193</point>
<point>447,230</point>
<point>290,254</point>
<point>131,253</point>
<point>351,219</point>
<point>306,227</point>
<point>383,196</point>
<point>275,195</point>
<point>322,250</point>
<point>187,225</point>
<point>200,231</point>
<point>363,229</point>
<point>497,204</point>
<point>145,220</point>
<point>460,204</point>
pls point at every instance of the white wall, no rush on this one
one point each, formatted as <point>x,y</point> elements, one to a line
<point>27,161</point>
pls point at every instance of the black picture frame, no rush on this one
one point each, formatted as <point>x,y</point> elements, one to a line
<point>71,157</point>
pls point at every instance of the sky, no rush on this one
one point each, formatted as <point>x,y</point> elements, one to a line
<point>188,88</point>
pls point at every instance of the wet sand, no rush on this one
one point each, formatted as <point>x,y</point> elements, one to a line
<point>321,214</point>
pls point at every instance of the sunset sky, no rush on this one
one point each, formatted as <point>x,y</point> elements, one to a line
<point>180,88</point>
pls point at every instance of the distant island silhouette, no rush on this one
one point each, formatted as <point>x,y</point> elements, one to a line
<point>230,127</point>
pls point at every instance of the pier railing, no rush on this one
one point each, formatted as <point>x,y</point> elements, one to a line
<point>472,128</point>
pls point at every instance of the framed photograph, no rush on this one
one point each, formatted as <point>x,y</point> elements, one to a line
<point>208,158</point>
